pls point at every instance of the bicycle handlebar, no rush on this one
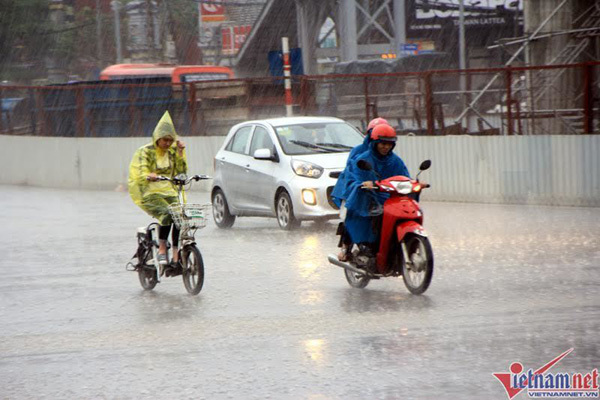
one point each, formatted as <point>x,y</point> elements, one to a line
<point>177,181</point>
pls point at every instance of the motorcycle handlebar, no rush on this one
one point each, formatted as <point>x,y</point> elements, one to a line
<point>377,185</point>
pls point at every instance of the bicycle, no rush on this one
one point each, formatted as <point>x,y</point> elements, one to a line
<point>188,218</point>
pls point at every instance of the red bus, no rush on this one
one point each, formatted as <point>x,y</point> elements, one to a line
<point>176,73</point>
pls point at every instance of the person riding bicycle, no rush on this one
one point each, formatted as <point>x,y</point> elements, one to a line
<point>164,156</point>
<point>338,193</point>
<point>359,203</point>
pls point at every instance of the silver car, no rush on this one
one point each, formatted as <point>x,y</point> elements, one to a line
<point>282,167</point>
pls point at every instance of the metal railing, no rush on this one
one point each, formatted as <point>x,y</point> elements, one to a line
<point>425,103</point>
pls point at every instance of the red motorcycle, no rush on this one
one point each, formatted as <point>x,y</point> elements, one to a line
<point>404,248</point>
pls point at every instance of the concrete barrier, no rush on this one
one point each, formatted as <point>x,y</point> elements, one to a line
<point>87,163</point>
<point>552,170</point>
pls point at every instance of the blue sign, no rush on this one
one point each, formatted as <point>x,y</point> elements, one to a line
<point>410,47</point>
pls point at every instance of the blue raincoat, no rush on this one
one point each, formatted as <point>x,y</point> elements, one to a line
<point>358,201</point>
<point>339,189</point>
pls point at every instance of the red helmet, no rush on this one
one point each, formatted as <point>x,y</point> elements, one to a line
<point>376,121</point>
<point>383,132</point>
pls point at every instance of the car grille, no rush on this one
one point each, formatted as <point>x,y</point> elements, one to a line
<point>330,200</point>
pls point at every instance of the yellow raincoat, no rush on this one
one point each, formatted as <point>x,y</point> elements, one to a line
<point>154,197</point>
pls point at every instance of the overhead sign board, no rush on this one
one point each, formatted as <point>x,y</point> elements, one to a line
<point>212,11</point>
<point>485,20</point>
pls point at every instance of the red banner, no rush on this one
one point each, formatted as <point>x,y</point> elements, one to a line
<point>233,37</point>
<point>212,11</point>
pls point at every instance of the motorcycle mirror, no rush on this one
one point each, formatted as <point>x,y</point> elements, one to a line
<point>425,165</point>
<point>364,165</point>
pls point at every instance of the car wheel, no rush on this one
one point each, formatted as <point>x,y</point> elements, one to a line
<point>285,212</point>
<point>221,214</point>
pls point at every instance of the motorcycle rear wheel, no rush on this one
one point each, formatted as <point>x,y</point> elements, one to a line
<point>355,280</point>
<point>147,274</point>
<point>193,269</point>
<point>417,271</point>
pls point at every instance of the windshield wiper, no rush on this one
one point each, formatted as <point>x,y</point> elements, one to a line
<point>311,146</point>
<point>336,145</point>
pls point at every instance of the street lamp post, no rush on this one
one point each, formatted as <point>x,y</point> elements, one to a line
<point>462,51</point>
<point>515,5</point>
<point>99,32</point>
<point>116,7</point>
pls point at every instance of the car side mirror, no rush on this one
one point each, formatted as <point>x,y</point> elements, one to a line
<point>263,154</point>
<point>425,165</point>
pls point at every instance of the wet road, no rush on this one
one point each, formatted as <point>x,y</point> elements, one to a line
<point>274,320</point>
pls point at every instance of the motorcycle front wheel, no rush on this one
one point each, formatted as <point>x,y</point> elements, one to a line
<point>193,269</point>
<point>146,273</point>
<point>417,270</point>
<point>355,280</point>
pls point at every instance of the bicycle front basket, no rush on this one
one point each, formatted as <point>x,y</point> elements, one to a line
<point>190,216</point>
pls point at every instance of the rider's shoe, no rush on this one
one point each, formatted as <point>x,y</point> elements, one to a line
<point>343,256</point>
<point>174,269</point>
<point>162,259</point>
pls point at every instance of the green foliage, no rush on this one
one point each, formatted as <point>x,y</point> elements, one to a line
<point>23,24</point>
<point>76,39</point>
<point>28,36</point>
<point>184,14</point>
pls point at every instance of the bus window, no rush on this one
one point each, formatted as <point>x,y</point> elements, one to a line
<point>198,73</point>
<point>202,77</point>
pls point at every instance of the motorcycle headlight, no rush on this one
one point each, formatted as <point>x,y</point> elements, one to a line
<point>307,169</point>
<point>403,187</point>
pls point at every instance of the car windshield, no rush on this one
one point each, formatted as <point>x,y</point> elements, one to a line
<point>322,137</point>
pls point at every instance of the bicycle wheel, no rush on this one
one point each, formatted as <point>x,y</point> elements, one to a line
<point>193,269</point>
<point>147,273</point>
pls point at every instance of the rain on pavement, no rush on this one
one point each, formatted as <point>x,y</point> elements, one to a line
<point>275,320</point>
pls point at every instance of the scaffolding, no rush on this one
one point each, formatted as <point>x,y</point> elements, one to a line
<point>534,89</point>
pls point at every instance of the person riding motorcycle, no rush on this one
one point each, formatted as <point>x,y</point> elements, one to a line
<point>359,222</point>
<point>164,156</point>
<point>339,189</point>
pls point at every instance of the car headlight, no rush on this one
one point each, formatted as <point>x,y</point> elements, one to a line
<point>307,169</point>
<point>403,187</point>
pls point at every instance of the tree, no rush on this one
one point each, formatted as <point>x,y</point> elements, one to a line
<point>183,26</point>
<point>23,37</point>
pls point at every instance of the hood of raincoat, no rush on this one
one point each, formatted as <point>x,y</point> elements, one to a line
<point>164,128</point>
<point>379,157</point>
